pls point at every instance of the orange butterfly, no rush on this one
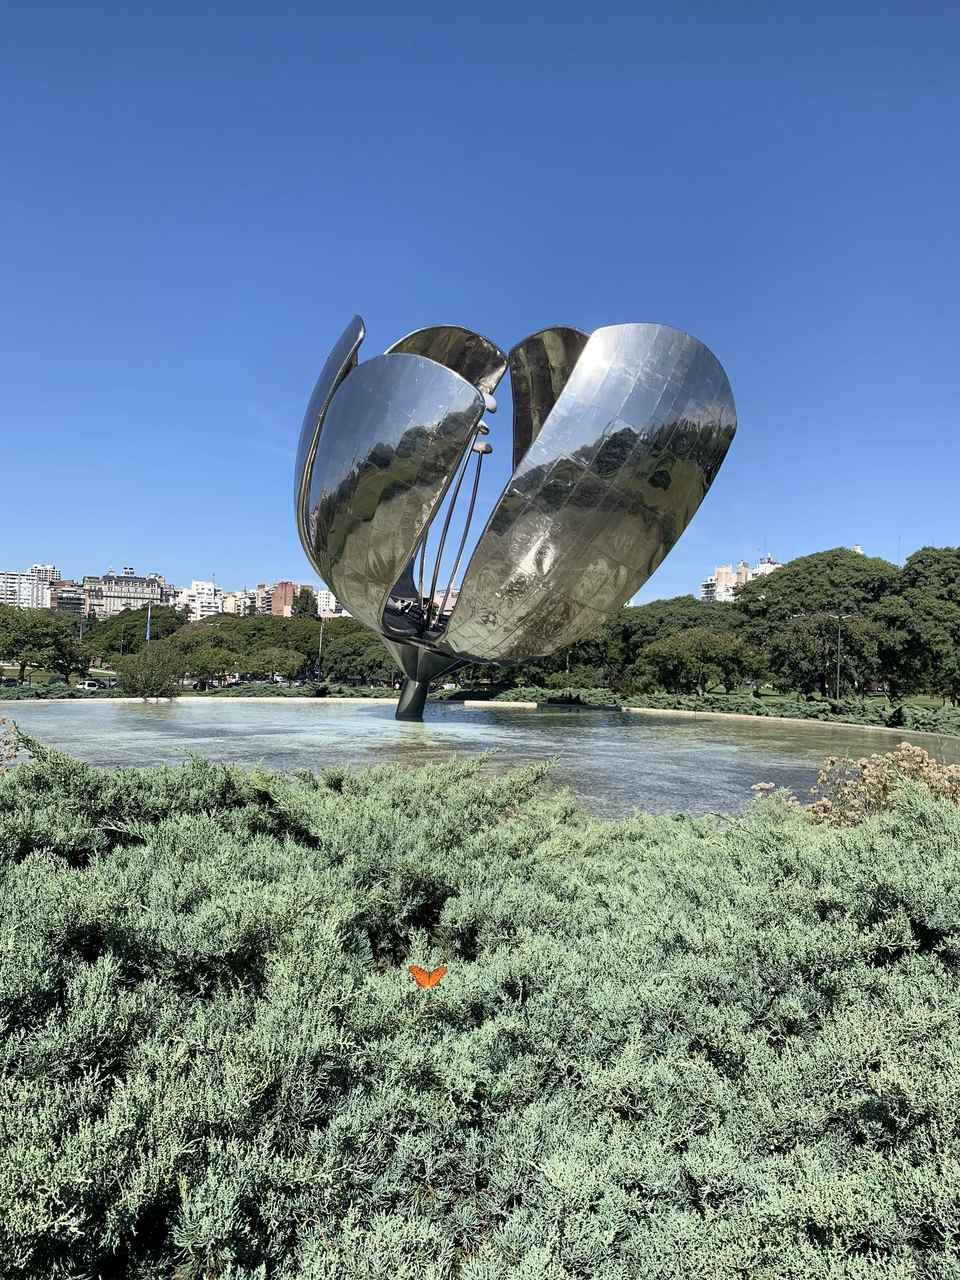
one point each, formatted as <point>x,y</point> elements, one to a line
<point>427,977</point>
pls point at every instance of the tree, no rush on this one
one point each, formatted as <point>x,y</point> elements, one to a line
<point>919,639</point>
<point>305,603</point>
<point>837,581</point>
<point>212,661</point>
<point>351,652</point>
<point>642,624</point>
<point>802,654</point>
<point>947,679</point>
<point>155,672</point>
<point>66,653</point>
<point>688,661</point>
<point>275,661</point>
<point>26,637</point>
<point>934,571</point>
<point>126,632</point>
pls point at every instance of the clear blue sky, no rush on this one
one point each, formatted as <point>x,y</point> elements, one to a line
<point>197,198</point>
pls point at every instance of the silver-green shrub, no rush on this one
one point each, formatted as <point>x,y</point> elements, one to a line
<point>665,1047</point>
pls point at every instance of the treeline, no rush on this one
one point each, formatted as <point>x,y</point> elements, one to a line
<point>895,630</point>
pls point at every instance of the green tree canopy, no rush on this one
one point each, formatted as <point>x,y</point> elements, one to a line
<point>919,638</point>
<point>351,652</point>
<point>126,631</point>
<point>30,637</point>
<point>934,571</point>
<point>67,655</point>
<point>154,672</point>
<point>212,661</point>
<point>802,654</point>
<point>688,661</point>
<point>275,660</point>
<point>830,581</point>
<point>305,603</point>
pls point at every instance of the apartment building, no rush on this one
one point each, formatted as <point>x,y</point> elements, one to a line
<point>241,603</point>
<point>328,606</point>
<point>23,589</point>
<point>202,599</point>
<point>723,582</point>
<point>281,599</point>
<point>108,594</point>
<point>66,596</point>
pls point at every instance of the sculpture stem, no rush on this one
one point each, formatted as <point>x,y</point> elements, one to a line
<point>413,698</point>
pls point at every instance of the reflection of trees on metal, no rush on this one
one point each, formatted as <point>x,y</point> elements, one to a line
<point>617,436</point>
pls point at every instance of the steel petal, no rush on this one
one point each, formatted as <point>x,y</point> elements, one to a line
<point>340,361</point>
<point>392,437</point>
<point>614,476</point>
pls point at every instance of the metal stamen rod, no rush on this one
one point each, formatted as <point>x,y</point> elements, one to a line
<point>423,556</point>
<point>481,451</point>
<point>443,537</point>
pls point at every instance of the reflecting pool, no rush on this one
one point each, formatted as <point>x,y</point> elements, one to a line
<point>616,761</point>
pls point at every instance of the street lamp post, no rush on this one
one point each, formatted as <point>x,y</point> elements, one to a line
<point>838,618</point>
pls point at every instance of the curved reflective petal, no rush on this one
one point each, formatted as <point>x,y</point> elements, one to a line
<point>540,367</point>
<point>614,476</point>
<point>471,355</point>
<point>340,361</point>
<point>392,437</point>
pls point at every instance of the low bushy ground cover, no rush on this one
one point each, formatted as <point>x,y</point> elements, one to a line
<point>559,697</point>
<point>867,712</point>
<point>664,1047</point>
<point>311,689</point>
<point>252,689</point>
<point>31,692</point>
<point>930,719</point>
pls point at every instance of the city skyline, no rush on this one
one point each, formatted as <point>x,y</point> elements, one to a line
<point>718,584</point>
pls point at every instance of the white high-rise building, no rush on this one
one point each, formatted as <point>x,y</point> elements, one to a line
<point>45,572</point>
<point>723,582</point>
<point>327,603</point>
<point>202,599</point>
<point>24,590</point>
<point>720,584</point>
<point>766,564</point>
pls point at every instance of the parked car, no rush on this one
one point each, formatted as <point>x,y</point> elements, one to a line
<point>9,682</point>
<point>90,683</point>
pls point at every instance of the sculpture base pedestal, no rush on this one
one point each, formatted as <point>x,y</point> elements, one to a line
<point>420,668</point>
<point>413,698</point>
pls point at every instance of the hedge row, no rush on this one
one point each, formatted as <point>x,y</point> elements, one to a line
<point>944,720</point>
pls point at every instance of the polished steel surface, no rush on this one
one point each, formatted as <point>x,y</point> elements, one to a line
<point>393,435</point>
<point>340,361</point>
<point>540,367</point>
<point>475,358</point>
<point>617,438</point>
<point>614,476</point>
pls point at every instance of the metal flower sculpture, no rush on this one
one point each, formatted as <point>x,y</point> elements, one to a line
<point>617,436</point>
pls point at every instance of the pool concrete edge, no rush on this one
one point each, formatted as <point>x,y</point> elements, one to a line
<point>489,702</point>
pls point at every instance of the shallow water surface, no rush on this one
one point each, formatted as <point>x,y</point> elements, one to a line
<point>614,760</point>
